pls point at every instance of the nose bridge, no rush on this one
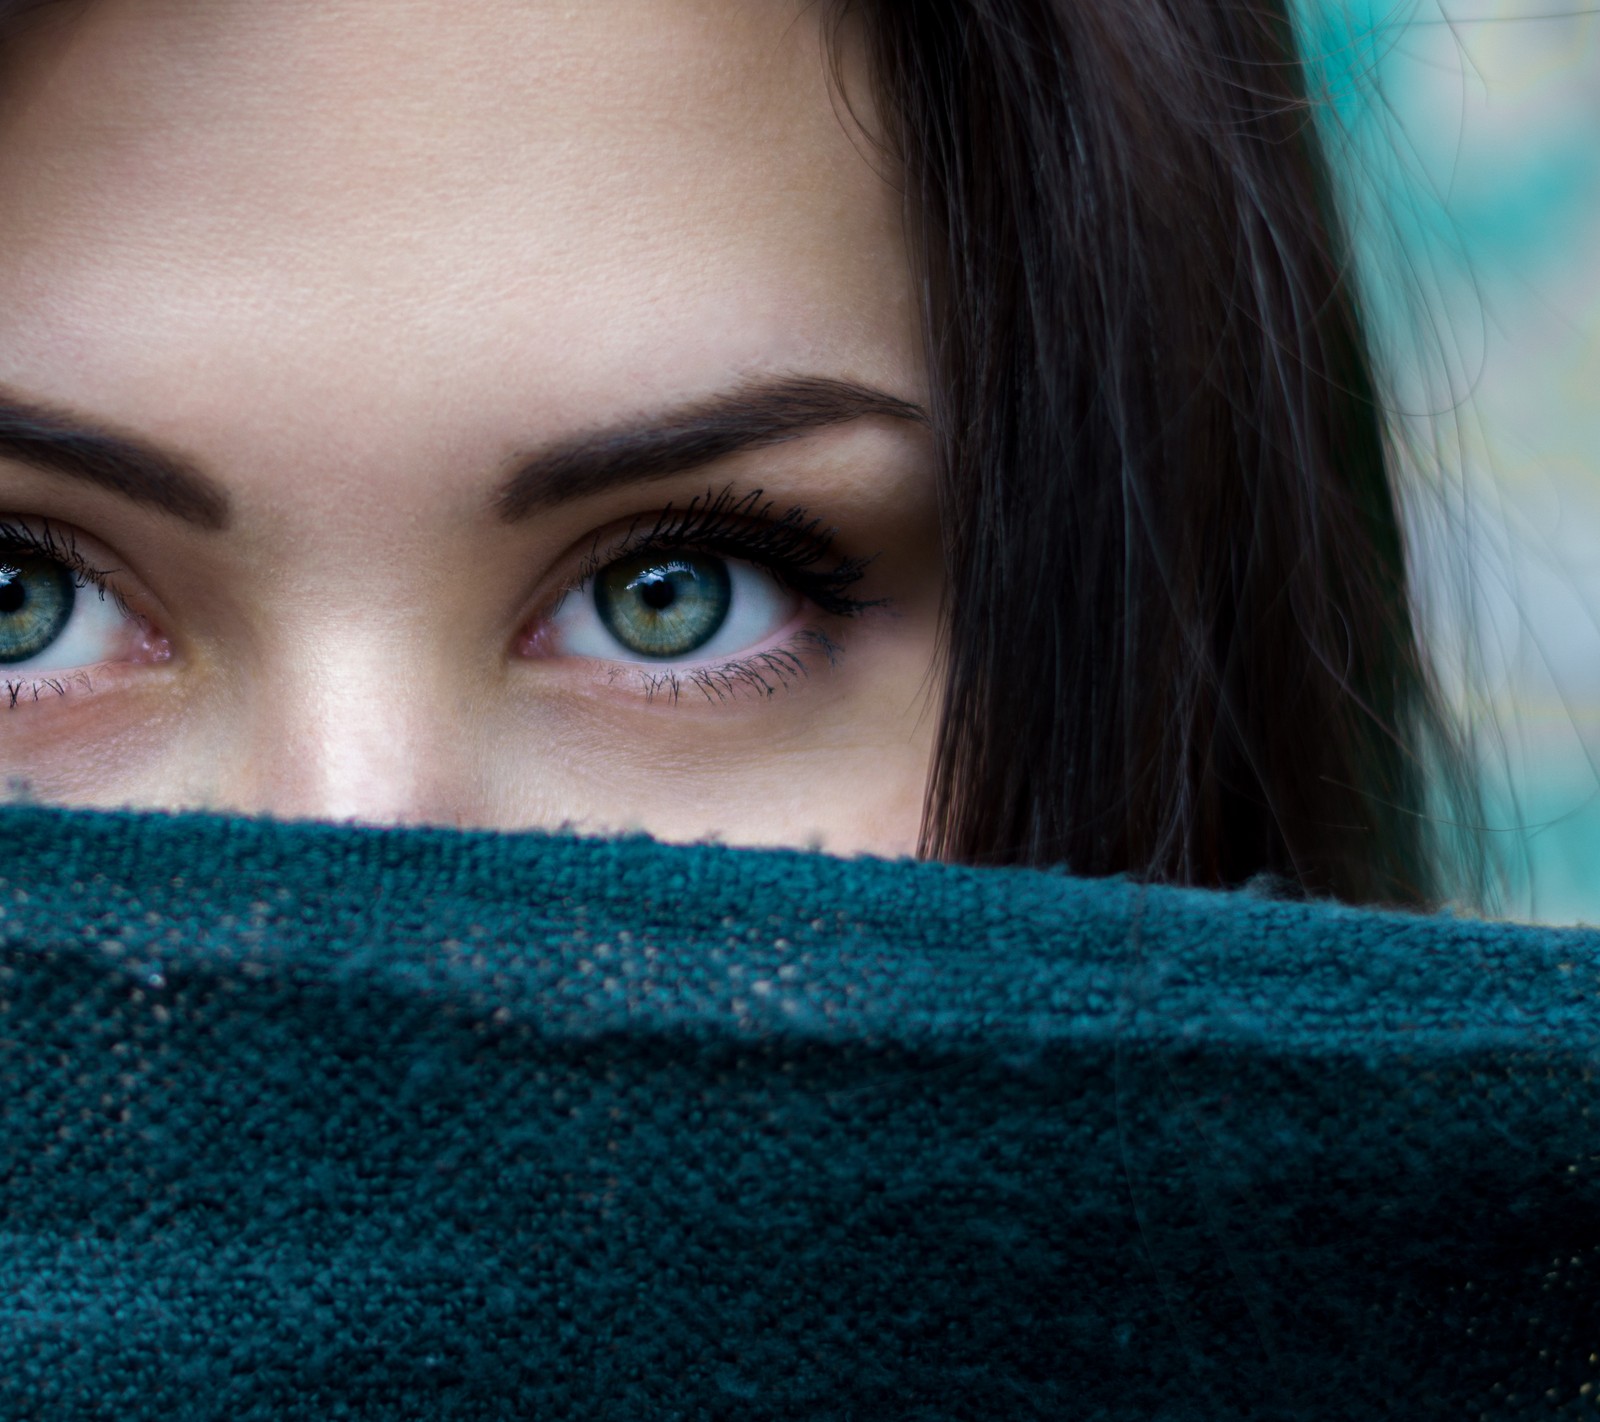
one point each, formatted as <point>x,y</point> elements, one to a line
<point>349,728</point>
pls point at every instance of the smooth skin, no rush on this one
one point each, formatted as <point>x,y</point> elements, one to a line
<point>347,267</point>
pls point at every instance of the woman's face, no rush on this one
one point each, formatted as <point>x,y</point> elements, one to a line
<point>484,412</point>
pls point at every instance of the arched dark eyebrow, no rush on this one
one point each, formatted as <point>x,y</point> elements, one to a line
<point>676,441</point>
<point>654,447</point>
<point>63,444</point>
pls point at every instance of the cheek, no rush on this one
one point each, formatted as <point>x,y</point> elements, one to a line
<point>841,764</point>
<point>125,742</point>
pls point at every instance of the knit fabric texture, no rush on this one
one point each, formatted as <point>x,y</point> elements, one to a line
<point>321,1122</point>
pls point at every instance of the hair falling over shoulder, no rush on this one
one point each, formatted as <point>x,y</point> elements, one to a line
<point>1180,638</point>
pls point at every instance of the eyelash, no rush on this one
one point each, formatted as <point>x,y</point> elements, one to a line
<point>793,546</point>
<point>766,672</point>
<point>13,693</point>
<point>61,547</point>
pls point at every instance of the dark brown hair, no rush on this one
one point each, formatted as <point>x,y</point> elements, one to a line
<point>1180,642</point>
<point>1179,637</point>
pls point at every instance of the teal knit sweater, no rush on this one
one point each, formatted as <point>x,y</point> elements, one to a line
<point>328,1123</point>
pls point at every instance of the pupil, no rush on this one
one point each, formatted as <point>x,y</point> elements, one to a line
<point>658,593</point>
<point>12,596</point>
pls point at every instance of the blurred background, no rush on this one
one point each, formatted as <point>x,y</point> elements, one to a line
<point>1467,135</point>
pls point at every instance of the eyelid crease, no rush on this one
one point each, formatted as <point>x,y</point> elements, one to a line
<point>752,416</point>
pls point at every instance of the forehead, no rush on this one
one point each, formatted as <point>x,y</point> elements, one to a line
<point>415,196</point>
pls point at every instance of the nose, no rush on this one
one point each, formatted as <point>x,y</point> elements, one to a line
<point>354,735</point>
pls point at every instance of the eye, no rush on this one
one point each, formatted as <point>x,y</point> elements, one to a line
<point>672,607</point>
<point>54,614</point>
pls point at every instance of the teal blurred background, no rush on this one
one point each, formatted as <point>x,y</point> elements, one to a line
<point>1467,135</point>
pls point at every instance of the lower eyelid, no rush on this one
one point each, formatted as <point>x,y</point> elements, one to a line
<point>760,675</point>
<point>17,691</point>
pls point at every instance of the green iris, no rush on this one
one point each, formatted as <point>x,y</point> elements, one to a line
<point>36,597</point>
<point>663,606</point>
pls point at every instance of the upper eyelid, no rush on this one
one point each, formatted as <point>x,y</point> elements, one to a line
<point>64,541</point>
<point>737,520</point>
<point>735,525</point>
<point>51,539</point>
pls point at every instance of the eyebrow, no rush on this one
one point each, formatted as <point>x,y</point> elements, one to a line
<point>753,416</point>
<point>61,444</point>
